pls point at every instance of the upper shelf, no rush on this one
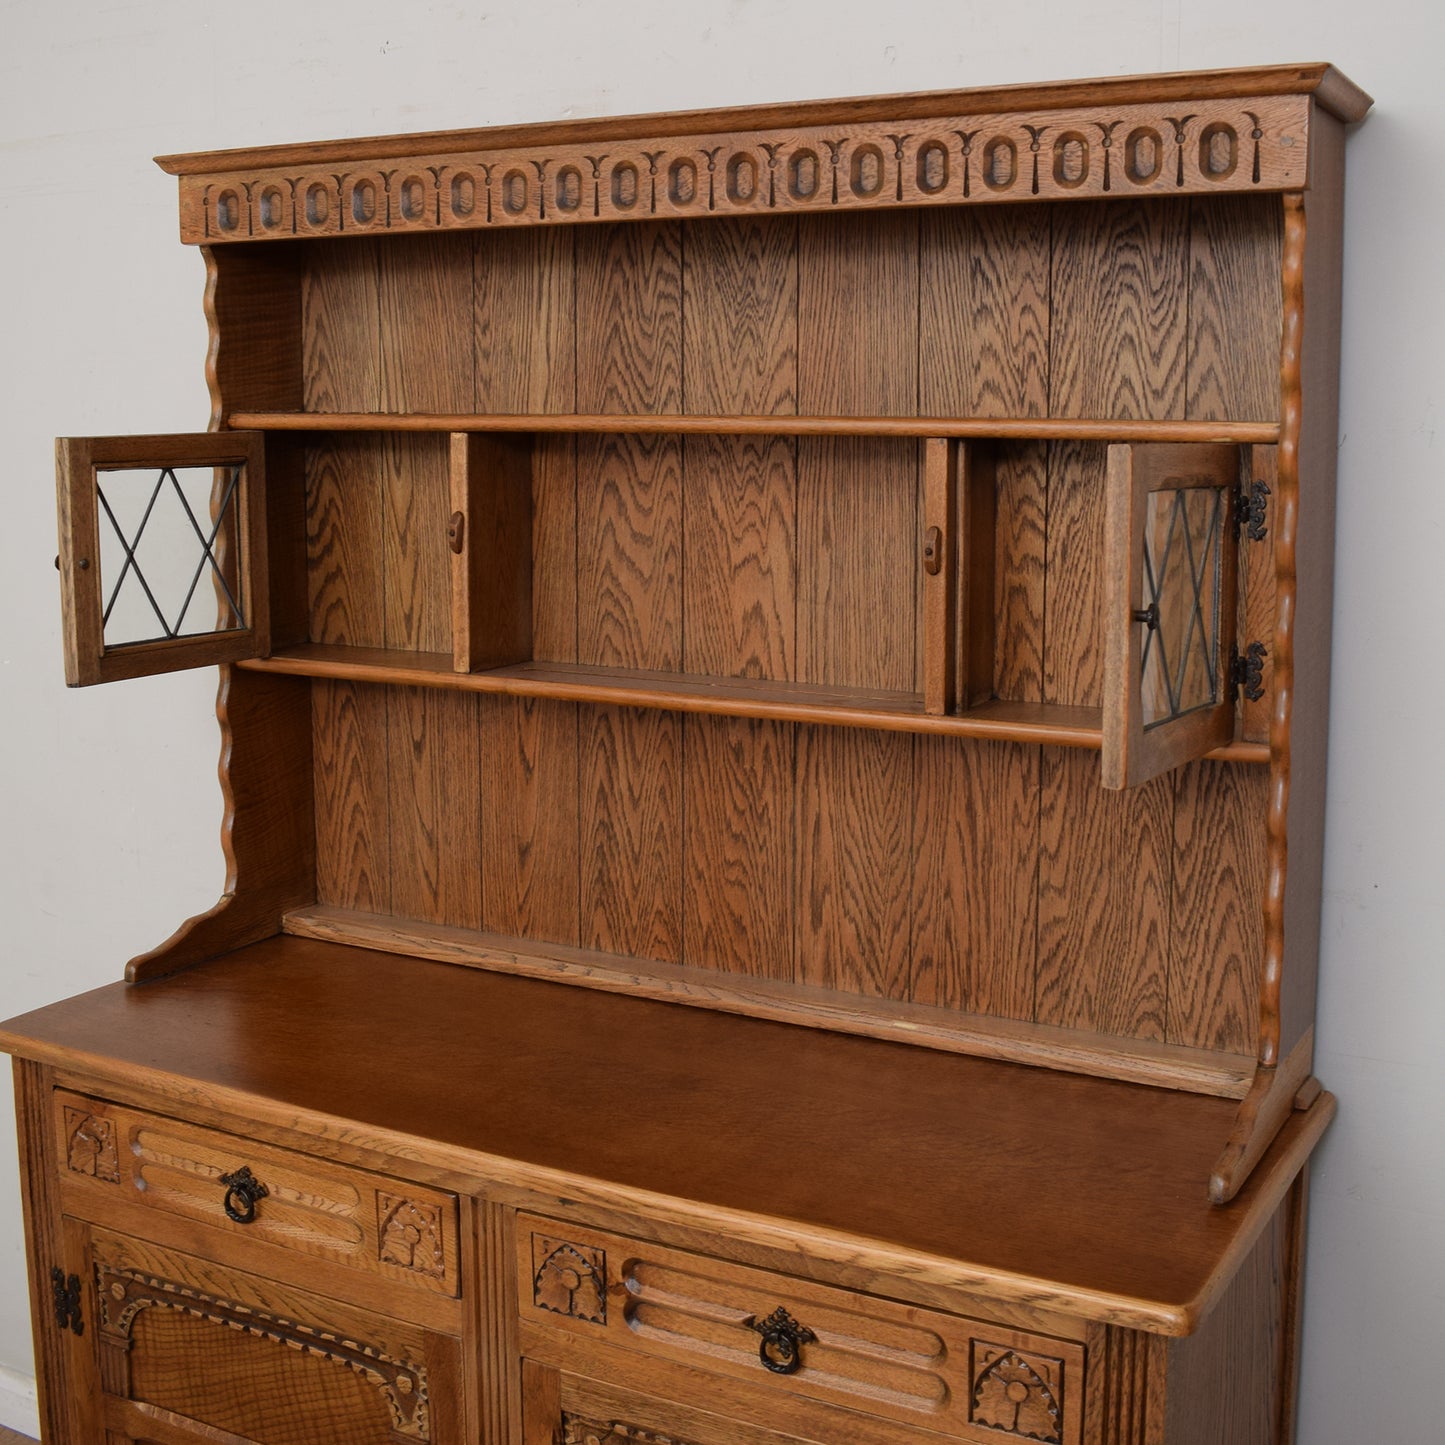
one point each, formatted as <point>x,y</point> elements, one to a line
<point>1258,433</point>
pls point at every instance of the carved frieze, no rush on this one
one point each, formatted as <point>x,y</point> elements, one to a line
<point>569,1279</point>
<point>1209,145</point>
<point>409,1234</point>
<point>90,1146</point>
<point>124,1293</point>
<point>1017,1392</point>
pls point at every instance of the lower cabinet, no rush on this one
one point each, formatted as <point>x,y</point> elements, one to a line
<point>176,1348</point>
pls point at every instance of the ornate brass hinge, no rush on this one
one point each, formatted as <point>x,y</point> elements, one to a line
<point>65,1294</point>
<point>1251,505</point>
<point>1246,670</point>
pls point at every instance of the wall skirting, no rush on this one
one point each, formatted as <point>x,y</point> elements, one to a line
<point>18,1407</point>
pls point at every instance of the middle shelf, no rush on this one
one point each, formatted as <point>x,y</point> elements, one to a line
<point>997,719</point>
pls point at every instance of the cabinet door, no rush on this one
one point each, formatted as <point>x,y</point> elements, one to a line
<point>1171,559</point>
<point>162,553</point>
<point>182,1349</point>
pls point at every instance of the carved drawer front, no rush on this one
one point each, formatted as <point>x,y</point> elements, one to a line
<point>193,1346</point>
<point>401,1231</point>
<point>585,1293</point>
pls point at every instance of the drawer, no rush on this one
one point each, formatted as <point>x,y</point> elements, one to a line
<point>391,1228</point>
<point>769,1332</point>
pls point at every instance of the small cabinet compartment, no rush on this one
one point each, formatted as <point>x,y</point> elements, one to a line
<point>162,553</point>
<point>187,1350</point>
<point>398,1230</point>
<point>585,1295</point>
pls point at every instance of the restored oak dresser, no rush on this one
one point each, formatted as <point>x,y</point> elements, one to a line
<point>773,691</point>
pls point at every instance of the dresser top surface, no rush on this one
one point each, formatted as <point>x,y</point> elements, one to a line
<point>1096,1187</point>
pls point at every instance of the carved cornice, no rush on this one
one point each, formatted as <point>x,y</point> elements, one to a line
<point>1162,148</point>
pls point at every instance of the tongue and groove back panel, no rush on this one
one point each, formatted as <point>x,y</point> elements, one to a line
<point>990,877</point>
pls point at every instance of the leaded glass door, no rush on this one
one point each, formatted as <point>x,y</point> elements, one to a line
<point>162,553</point>
<point>1171,562</point>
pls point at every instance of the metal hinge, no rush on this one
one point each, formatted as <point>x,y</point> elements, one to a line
<point>1246,670</point>
<point>1250,507</point>
<point>65,1294</point>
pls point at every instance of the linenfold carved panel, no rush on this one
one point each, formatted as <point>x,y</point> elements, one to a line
<point>90,1146</point>
<point>1017,1392</point>
<point>124,1293</point>
<point>569,1279</point>
<point>1204,146</point>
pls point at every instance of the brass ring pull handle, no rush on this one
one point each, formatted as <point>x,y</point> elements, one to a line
<point>243,1190</point>
<point>781,1350</point>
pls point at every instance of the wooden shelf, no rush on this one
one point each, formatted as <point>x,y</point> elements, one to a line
<point>1259,433</point>
<point>1072,727</point>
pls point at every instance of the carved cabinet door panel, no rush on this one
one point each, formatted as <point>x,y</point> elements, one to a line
<point>162,553</point>
<point>181,1349</point>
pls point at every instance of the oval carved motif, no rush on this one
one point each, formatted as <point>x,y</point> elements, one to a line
<point>1000,163</point>
<point>318,204</point>
<point>273,206</point>
<point>932,167</point>
<point>865,172</point>
<point>463,195</point>
<point>412,199</point>
<point>1071,159</point>
<point>1218,151</point>
<point>682,182</point>
<point>803,174</point>
<point>1143,154</point>
<point>624,185</point>
<point>742,178</point>
<point>569,189</point>
<point>514,193</point>
<point>228,210</point>
<point>363,203</point>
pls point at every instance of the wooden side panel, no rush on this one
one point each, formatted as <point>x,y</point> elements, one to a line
<point>629,550</point>
<point>1230,1380</point>
<point>1119,277</point>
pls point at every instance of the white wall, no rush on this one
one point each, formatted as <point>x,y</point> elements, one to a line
<point>108,803</point>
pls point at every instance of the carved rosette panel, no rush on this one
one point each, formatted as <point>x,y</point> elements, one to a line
<point>1204,146</point>
<point>578,1431</point>
<point>124,1293</point>
<point>569,1279</point>
<point>1016,1392</point>
<point>90,1146</point>
<point>409,1235</point>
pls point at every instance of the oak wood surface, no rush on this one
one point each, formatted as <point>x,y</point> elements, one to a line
<point>278,1029</point>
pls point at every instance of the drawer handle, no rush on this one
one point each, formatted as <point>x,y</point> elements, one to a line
<point>243,1190</point>
<point>781,1350</point>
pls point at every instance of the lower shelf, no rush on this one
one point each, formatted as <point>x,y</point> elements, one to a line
<point>1073,727</point>
<point>1138,1061</point>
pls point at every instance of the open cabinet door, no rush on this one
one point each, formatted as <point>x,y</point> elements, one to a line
<point>1171,559</point>
<point>162,552</point>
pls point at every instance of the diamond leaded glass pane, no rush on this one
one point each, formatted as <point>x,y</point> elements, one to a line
<point>1183,533</point>
<point>168,552</point>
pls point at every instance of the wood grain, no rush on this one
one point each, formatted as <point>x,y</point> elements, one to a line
<point>529,791</point>
<point>349,740</point>
<point>854,861</point>
<point>1020,562</point>
<point>975,871</point>
<point>1216,947</point>
<point>1103,928</point>
<point>738,885</point>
